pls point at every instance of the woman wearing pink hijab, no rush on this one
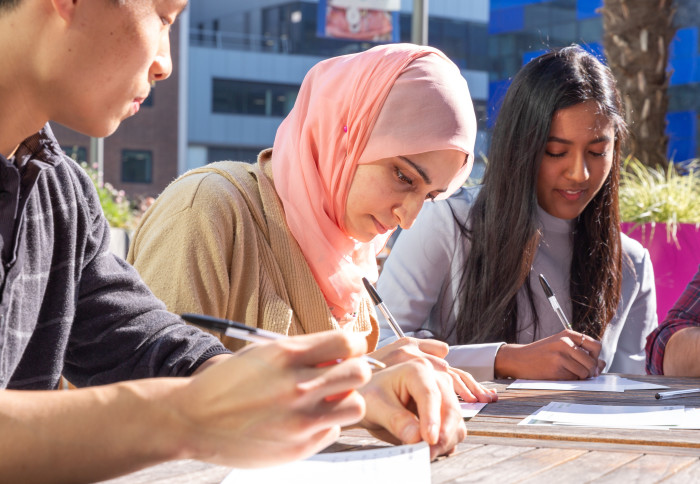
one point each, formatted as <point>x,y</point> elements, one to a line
<point>283,244</point>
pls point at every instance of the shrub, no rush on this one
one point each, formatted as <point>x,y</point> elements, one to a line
<point>670,196</point>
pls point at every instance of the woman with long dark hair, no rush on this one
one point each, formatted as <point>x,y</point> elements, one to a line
<point>467,272</point>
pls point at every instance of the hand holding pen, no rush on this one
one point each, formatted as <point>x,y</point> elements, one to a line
<point>238,330</point>
<point>382,307</point>
<point>432,350</point>
<point>589,346</point>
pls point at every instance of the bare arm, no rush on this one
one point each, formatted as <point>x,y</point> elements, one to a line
<point>267,405</point>
<point>681,355</point>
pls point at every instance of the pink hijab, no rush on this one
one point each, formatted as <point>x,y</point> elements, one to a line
<point>396,99</point>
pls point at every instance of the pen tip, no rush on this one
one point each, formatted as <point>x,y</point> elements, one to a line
<point>372,291</point>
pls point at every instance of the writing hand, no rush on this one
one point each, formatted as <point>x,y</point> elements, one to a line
<point>406,349</point>
<point>410,402</point>
<point>272,403</point>
<point>567,355</point>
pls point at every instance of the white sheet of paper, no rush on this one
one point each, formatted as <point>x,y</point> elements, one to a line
<point>471,409</point>
<point>602,383</point>
<point>401,463</point>
<point>608,416</point>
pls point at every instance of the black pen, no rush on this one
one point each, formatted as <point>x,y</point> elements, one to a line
<point>382,307</point>
<point>555,304</point>
<point>247,333</point>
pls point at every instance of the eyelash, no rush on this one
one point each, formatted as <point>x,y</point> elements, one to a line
<point>408,181</point>
<point>562,154</point>
<point>403,178</point>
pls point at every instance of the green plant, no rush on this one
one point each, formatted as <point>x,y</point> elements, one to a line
<point>119,211</point>
<point>670,195</point>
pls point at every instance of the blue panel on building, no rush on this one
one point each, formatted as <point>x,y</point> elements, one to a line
<point>497,91</point>
<point>685,43</point>
<point>597,49</point>
<point>587,8</point>
<point>681,129</point>
<point>507,20</point>
<point>499,4</point>
<point>528,56</point>
<point>682,71</point>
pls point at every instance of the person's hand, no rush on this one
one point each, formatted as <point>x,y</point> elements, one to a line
<point>563,356</point>
<point>272,403</point>
<point>406,349</point>
<point>410,402</point>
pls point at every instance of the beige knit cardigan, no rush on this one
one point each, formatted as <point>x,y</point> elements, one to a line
<point>216,242</point>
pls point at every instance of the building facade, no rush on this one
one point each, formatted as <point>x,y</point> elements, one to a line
<point>248,59</point>
<point>238,67</point>
<point>520,30</point>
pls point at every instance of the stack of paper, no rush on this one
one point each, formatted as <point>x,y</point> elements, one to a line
<point>470,409</point>
<point>612,416</point>
<point>602,383</point>
<point>401,463</point>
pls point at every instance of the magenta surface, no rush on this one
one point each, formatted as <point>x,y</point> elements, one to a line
<point>674,265</point>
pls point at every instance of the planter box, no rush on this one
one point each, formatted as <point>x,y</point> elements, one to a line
<point>675,264</point>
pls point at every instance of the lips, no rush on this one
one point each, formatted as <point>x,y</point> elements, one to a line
<point>571,195</point>
<point>381,228</point>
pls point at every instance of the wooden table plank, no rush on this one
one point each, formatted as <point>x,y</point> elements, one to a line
<point>685,475</point>
<point>500,419</point>
<point>467,461</point>
<point>518,467</point>
<point>588,466</point>
<point>176,472</point>
<point>647,468</point>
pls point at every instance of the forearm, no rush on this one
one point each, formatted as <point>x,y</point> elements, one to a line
<point>88,434</point>
<point>681,354</point>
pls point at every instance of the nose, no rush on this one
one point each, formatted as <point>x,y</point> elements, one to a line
<point>408,210</point>
<point>577,171</point>
<point>162,65</point>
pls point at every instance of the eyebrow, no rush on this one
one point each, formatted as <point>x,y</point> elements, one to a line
<point>567,142</point>
<point>422,173</point>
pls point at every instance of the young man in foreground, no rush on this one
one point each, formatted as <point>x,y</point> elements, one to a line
<point>67,306</point>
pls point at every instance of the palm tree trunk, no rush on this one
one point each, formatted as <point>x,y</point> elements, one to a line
<point>637,36</point>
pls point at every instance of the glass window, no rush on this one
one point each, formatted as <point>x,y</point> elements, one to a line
<point>137,166</point>
<point>253,98</point>
<point>78,153</point>
<point>249,155</point>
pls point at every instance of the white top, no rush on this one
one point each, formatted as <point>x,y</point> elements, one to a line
<point>421,276</point>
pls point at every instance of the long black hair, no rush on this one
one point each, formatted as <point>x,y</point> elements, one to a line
<point>502,229</point>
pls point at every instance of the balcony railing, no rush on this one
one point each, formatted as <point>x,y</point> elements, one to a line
<point>237,41</point>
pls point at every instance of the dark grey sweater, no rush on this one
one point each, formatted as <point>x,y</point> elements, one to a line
<point>67,305</point>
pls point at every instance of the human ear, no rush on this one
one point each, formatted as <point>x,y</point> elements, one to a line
<point>65,8</point>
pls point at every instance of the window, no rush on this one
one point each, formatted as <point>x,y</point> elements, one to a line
<point>254,98</point>
<point>78,153</point>
<point>249,155</point>
<point>137,166</point>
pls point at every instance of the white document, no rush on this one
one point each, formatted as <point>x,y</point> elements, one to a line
<point>470,409</point>
<point>609,416</point>
<point>602,383</point>
<point>401,463</point>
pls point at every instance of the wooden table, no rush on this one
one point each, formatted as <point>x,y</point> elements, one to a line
<point>498,450</point>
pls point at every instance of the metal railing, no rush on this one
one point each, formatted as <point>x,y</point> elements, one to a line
<point>237,41</point>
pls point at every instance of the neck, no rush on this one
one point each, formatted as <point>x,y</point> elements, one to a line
<point>21,113</point>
